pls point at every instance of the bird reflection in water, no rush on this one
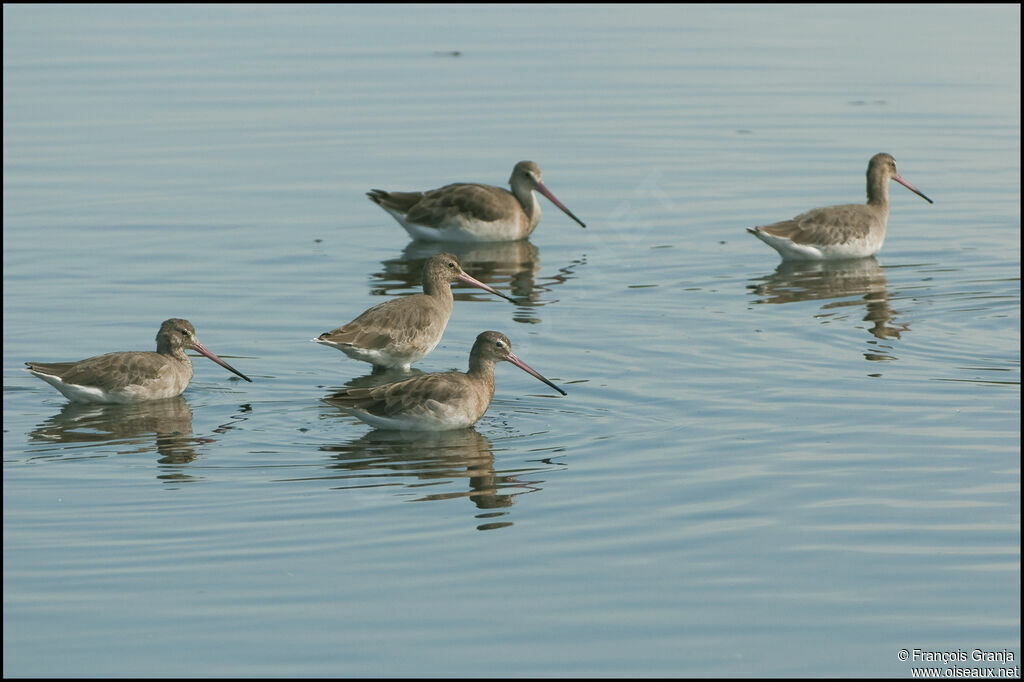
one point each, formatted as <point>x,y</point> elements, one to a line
<point>507,266</point>
<point>161,425</point>
<point>417,462</point>
<point>862,282</point>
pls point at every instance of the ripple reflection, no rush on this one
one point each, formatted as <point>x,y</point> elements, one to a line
<point>862,282</point>
<point>511,266</point>
<point>130,427</point>
<point>432,466</point>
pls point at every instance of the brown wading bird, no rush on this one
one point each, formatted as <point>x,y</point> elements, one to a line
<point>837,232</point>
<point>469,212</point>
<point>397,333</point>
<point>131,376</point>
<point>441,401</point>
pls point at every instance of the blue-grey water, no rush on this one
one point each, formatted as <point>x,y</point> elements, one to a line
<point>758,470</point>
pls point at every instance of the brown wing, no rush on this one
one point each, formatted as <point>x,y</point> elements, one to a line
<point>411,396</point>
<point>57,369</point>
<point>111,371</point>
<point>395,322</point>
<point>395,201</point>
<point>831,225</point>
<point>461,201</point>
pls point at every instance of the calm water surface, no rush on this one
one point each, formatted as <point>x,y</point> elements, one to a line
<point>759,470</point>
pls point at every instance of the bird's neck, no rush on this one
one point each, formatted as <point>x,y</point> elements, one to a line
<point>878,190</point>
<point>481,367</point>
<point>172,351</point>
<point>438,289</point>
<point>527,199</point>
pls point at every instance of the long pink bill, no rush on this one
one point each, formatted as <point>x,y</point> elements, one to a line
<point>477,283</point>
<point>213,356</point>
<point>912,188</point>
<point>529,370</point>
<point>551,197</point>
